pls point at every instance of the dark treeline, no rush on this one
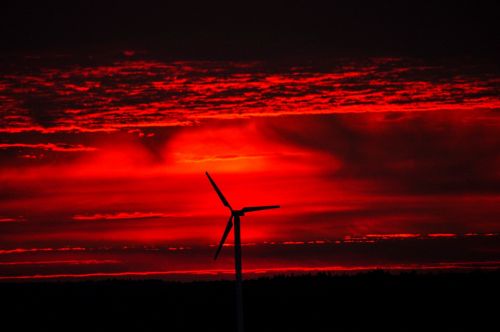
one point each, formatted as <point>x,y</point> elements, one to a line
<point>444,301</point>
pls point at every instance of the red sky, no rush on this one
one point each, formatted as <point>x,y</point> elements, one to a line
<point>373,161</point>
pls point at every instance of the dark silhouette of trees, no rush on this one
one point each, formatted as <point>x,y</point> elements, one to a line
<point>410,301</point>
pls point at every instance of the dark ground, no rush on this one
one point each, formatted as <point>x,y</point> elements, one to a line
<point>445,301</point>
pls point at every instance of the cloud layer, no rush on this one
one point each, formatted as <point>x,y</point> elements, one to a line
<point>107,94</point>
<point>113,154</point>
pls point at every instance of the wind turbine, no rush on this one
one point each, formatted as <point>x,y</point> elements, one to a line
<point>236,214</point>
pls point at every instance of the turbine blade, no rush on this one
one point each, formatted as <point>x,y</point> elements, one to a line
<point>224,236</point>
<point>258,208</point>
<point>217,190</point>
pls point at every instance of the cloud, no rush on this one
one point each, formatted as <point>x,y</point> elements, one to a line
<point>58,147</point>
<point>237,147</point>
<point>11,219</point>
<point>350,254</point>
<point>36,250</point>
<point>62,262</point>
<point>119,216</point>
<point>421,153</point>
<point>333,175</point>
<point>382,146</point>
<point>148,93</point>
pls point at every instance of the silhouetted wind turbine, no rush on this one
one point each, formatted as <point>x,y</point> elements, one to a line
<point>236,214</point>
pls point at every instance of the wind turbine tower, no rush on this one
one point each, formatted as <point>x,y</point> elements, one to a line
<point>236,214</point>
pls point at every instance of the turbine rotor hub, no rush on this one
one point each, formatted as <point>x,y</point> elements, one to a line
<point>238,213</point>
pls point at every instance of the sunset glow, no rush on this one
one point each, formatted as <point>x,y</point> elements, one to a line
<point>102,165</point>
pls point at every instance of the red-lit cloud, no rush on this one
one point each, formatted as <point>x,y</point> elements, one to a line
<point>48,146</point>
<point>62,262</point>
<point>148,93</point>
<point>349,254</point>
<point>118,216</point>
<point>8,219</point>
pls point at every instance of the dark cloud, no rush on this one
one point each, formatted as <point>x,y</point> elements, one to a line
<point>440,152</point>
